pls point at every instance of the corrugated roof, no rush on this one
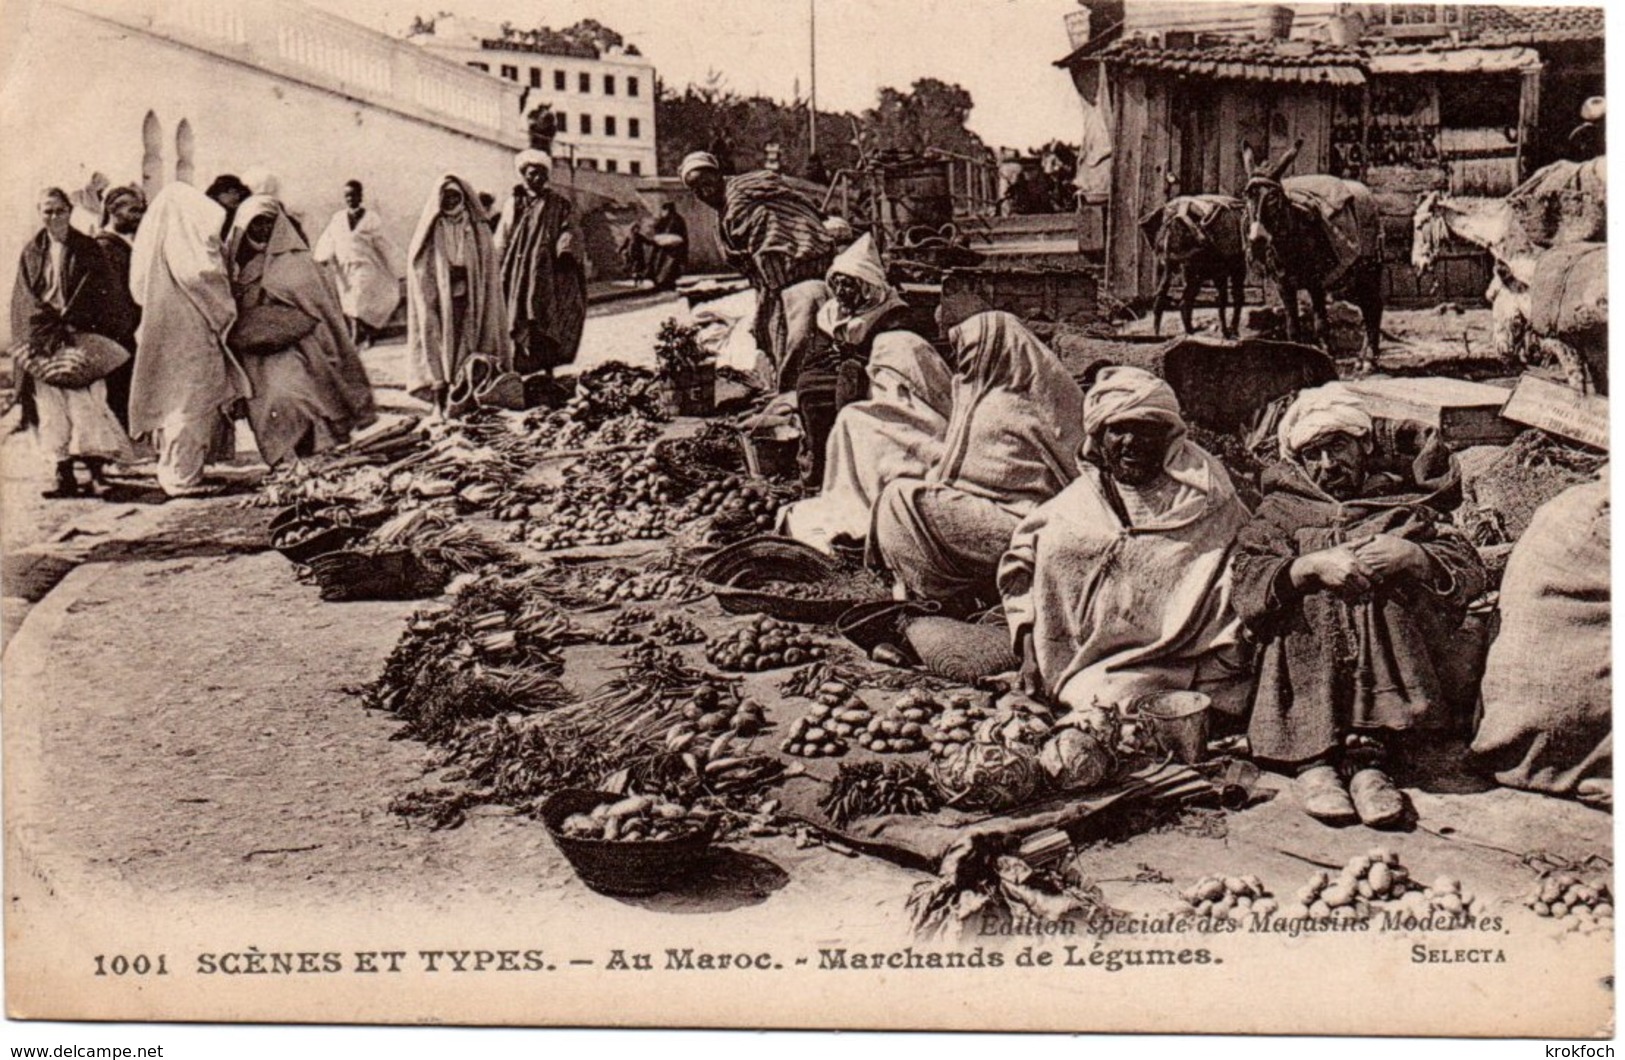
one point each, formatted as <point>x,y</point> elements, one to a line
<point>1495,24</point>
<point>1280,61</point>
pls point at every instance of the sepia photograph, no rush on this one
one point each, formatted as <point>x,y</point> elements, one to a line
<point>844,515</point>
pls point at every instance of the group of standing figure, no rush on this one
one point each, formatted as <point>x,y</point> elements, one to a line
<point>169,283</point>
<point>488,297</point>
<point>223,311</point>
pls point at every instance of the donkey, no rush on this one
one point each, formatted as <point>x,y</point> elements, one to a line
<point>1316,234</point>
<point>1201,236</point>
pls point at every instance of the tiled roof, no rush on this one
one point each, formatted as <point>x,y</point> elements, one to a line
<point>1299,61</point>
<point>1494,24</point>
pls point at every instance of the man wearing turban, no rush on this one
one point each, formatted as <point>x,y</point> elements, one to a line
<point>543,282</point>
<point>1120,584</point>
<point>1352,580</point>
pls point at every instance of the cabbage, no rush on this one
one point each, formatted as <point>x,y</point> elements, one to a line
<point>987,776</point>
<point>1075,760</point>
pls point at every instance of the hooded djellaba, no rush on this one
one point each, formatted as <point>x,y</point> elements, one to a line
<point>186,382</point>
<point>308,397</point>
<point>454,306</point>
<point>1120,585</point>
<point>1012,440</point>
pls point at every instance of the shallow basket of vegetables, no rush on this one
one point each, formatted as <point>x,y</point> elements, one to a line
<point>631,866</point>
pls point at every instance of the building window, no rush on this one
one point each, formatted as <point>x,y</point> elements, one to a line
<point>587,163</point>
<point>610,166</point>
<point>535,77</point>
<point>632,87</point>
<point>558,80</point>
<point>584,82</point>
<point>636,168</point>
<point>481,66</point>
<point>634,128</point>
<point>510,72</point>
<point>563,120</point>
<point>609,84</point>
<point>586,125</point>
<point>152,154</point>
<point>609,125</point>
<point>184,146</point>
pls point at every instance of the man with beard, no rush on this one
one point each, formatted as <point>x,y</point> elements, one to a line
<point>1119,586</point>
<point>122,210</point>
<point>542,279</point>
<point>1352,581</point>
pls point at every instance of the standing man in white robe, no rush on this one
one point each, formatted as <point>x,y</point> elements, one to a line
<point>364,259</point>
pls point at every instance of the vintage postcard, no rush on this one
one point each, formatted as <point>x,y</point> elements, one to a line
<point>839,514</point>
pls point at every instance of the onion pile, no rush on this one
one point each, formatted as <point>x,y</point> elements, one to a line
<point>765,644</point>
<point>1581,905</point>
<point>1230,897</point>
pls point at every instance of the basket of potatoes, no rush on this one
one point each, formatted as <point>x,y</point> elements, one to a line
<point>629,844</point>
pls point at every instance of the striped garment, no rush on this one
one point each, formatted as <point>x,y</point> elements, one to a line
<point>772,233</point>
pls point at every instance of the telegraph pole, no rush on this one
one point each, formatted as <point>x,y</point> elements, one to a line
<point>812,105</point>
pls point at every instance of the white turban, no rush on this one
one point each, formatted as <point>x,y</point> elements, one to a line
<point>695,162</point>
<point>1319,413</point>
<point>532,157</point>
<point>1123,392</point>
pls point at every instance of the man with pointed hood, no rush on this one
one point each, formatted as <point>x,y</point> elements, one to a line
<point>186,381</point>
<point>863,310</point>
<point>1120,585</point>
<point>454,306</point>
<point>309,396</point>
<point>895,433</point>
<point>1352,581</point>
<point>543,282</point>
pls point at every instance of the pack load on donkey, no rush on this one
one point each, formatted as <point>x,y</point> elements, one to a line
<point>1200,236</point>
<point>1317,234</point>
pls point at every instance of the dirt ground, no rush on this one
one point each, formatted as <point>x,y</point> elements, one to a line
<point>181,726</point>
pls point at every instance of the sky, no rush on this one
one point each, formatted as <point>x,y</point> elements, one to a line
<point>1000,50</point>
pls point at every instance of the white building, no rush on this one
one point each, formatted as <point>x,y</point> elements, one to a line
<point>154,91</point>
<point>605,104</point>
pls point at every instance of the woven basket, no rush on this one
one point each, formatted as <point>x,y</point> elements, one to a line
<point>398,574</point>
<point>735,574</point>
<point>78,364</point>
<point>960,651</point>
<point>870,625</point>
<point>329,537</point>
<point>642,867</point>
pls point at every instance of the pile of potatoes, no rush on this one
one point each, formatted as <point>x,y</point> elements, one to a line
<point>713,710</point>
<point>901,729</point>
<point>1230,897</point>
<point>810,738</point>
<point>764,644</point>
<point>955,723</point>
<point>636,818</point>
<point>1583,906</point>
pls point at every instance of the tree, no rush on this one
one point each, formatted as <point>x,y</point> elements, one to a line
<point>931,114</point>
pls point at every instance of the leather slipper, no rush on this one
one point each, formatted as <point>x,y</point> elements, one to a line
<point>1321,793</point>
<point>1376,799</point>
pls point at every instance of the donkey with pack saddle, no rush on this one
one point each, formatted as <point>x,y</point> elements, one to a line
<point>1318,234</point>
<point>1201,238</point>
